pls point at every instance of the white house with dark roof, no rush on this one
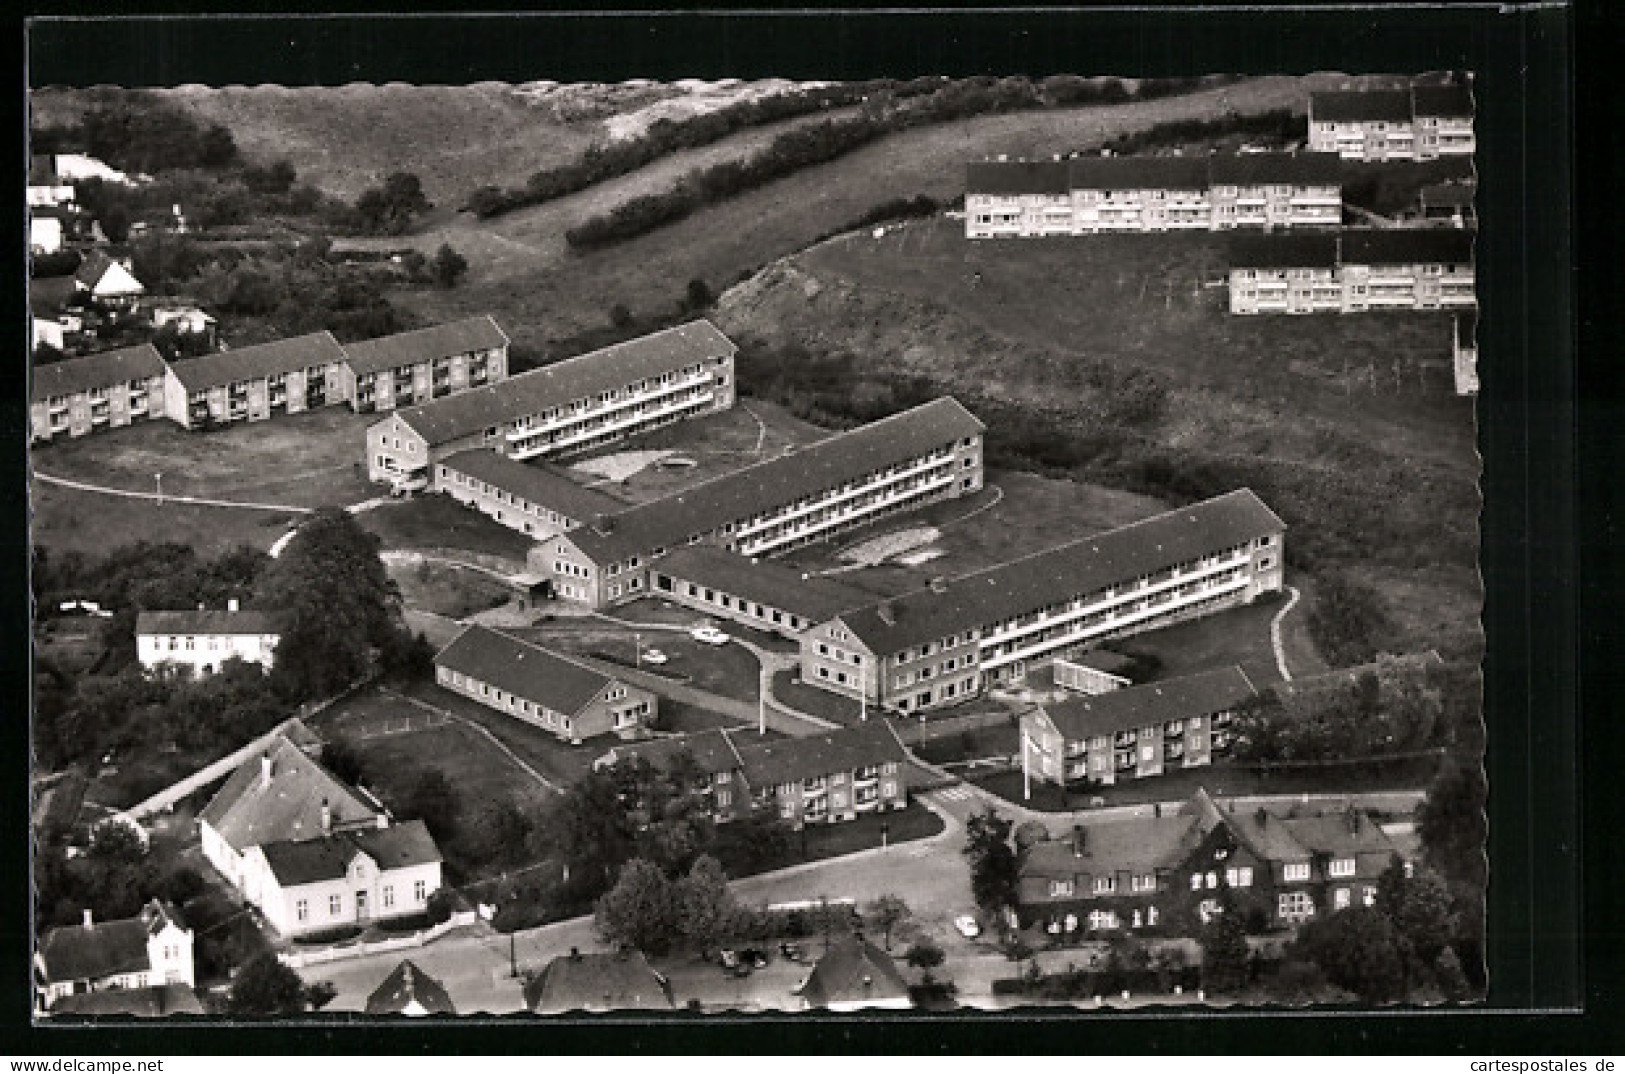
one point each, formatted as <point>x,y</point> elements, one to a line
<point>77,396</point>
<point>566,407</point>
<point>255,383</point>
<point>151,949</point>
<point>428,363</point>
<point>108,282</point>
<point>545,689</point>
<point>945,642</point>
<point>347,876</point>
<point>199,642</point>
<point>929,453</point>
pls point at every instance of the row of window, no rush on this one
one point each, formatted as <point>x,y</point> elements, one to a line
<point>335,902</point>
<point>555,720</point>
<point>730,603</point>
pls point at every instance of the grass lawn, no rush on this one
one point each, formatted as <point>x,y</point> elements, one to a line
<point>1238,636</point>
<point>69,520</point>
<point>558,761</point>
<point>812,700</point>
<point>450,591</point>
<point>1001,741</point>
<point>479,771</point>
<point>819,841</point>
<point>436,521</point>
<point>686,719</point>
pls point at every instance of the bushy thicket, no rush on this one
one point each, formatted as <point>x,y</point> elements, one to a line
<point>1278,125</point>
<point>137,132</point>
<point>1392,187</point>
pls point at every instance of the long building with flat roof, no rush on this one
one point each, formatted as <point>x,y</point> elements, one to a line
<point>947,641</point>
<point>902,462</point>
<point>565,408</point>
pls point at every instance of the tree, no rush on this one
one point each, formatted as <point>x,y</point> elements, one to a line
<point>448,266</point>
<point>1423,914</point>
<point>1224,954</point>
<point>640,910</point>
<point>924,955</point>
<point>218,148</point>
<point>1360,951</point>
<point>115,222</point>
<point>497,833</point>
<point>698,295</point>
<point>994,866</point>
<point>393,206</point>
<point>265,988</point>
<point>702,904</point>
<point>1452,826</point>
<point>886,913</point>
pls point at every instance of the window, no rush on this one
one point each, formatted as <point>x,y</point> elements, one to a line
<point>1241,877</point>
<point>1341,867</point>
<point>1368,895</point>
<point>1340,899</point>
<point>1295,905</point>
<point>1105,885</point>
<point>389,896</point>
<point>301,909</point>
<point>1296,870</point>
<point>1102,919</point>
<point>1143,882</point>
<point>335,904</point>
<point>420,890</point>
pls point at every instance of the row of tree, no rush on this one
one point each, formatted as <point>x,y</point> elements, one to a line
<point>136,131</point>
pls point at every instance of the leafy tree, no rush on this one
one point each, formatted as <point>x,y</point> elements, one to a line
<point>1224,954</point>
<point>1452,827</point>
<point>497,833</point>
<point>218,148</point>
<point>448,266</point>
<point>1360,951</point>
<point>702,904</point>
<point>587,828</point>
<point>392,207</point>
<point>640,910</point>
<point>698,295</point>
<point>265,988</point>
<point>1452,981</point>
<point>887,913</point>
<point>925,955</point>
<point>1423,914</point>
<point>115,222</point>
<point>994,866</point>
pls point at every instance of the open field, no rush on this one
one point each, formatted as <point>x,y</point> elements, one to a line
<point>436,521</point>
<point>68,520</point>
<point>558,761</point>
<point>453,592</point>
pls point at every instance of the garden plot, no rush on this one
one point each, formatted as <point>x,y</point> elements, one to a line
<point>895,545</point>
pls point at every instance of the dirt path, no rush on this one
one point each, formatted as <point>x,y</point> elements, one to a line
<point>1275,633</point>
<point>201,501</point>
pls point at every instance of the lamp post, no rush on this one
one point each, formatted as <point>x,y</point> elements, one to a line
<point>159,478</point>
<point>637,649</point>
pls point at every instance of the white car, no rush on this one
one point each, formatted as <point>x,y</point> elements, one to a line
<point>967,926</point>
<point>654,656</point>
<point>710,635</point>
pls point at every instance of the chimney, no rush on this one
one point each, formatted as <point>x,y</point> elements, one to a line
<point>575,954</point>
<point>231,604</point>
<point>1080,839</point>
<point>327,818</point>
<point>1262,816</point>
<point>887,613</point>
<point>90,918</point>
<point>938,584</point>
<point>265,770</point>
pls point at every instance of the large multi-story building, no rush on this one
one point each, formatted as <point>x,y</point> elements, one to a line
<point>1134,732</point>
<point>1423,122</point>
<point>762,594</point>
<point>942,644</point>
<point>899,463</point>
<point>1356,270</point>
<point>534,498</point>
<point>99,391</point>
<point>429,363</point>
<point>564,408</point>
<point>1085,195</point>
<point>255,383</point>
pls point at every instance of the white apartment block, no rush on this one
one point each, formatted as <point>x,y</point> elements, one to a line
<point>1420,123</point>
<point>255,383</point>
<point>99,391</point>
<point>565,408</point>
<point>1355,271</point>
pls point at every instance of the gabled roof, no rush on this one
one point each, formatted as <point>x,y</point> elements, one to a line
<point>1259,831</point>
<point>613,367</point>
<point>310,861</point>
<point>249,811</point>
<point>1454,101</point>
<point>103,949</point>
<point>262,360</point>
<point>408,990</point>
<point>157,1001</point>
<point>768,485</point>
<point>1296,250</point>
<point>1134,844</point>
<point>1036,580</point>
<point>1154,703</point>
<point>787,760</point>
<point>95,265</point>
<point>1262,169</point>
<point>854,971</point>
<point>763,581</point>
<point>1012,177</point>
<point>601,982</point>
<point>1138,173</point>
<point>42,169</point>
<point>1360,106</point>
<point>208,621</point>
<point>1347,833</point>
<point>712,750</point>
<point>1407,246</point>
<point>537,482</point>
<point>425,344</point>
<point>74,375</point>
<point>523,669</point>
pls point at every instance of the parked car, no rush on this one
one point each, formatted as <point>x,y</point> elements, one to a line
<point>733,964</point>
<point>654,656</point>
<point>709,635</point>
<point>792,951</point>
<point>755,957</point>
<point>968,926</point>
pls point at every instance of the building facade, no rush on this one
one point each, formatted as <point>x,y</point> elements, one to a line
<point>152,949</point>
<point>255,383</point>
<point>565,408</point>
<point>1088,195</point>
<point>534,498</point>
<point>198,643</point>
<point>1464,352</point>
<point>545,689</point>
<point>930,453</point>
<point>77,396</point>
<point>107,282</point>
<point>1357,270</point>
<point>949,640</point>
<point>430,363</point>
<point>346,878</point>
<point>1423,122</point>
<point>756,594</point>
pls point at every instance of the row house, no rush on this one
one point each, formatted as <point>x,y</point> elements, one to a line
<point>99,391</point>
<point>819,779</point>
<point>809,494</point>
<point>1448,203</point>
<point>1086,195</point>
<point>198,643</point>
<point>1134,732</point>
<point>533,498</point>
<point>945,642</point>
<point>150,950</point>
<point>762,595</point>
<point>1173,871</point>
<point>1423,122</point>
<point>430,363</point>
<point>1356,270</point>
<point>255,383</point>
<point>546,689</point>
<point>564,408</point>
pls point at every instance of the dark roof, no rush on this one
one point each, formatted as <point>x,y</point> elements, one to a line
<point>601,982</point>
<point>248,812</point>
<point>208,621</point>
<point>763,581</point>
<point>1135,844</point>
<point>522,669</point>
<point>42,169</point>
<point>155,1002</point>
<point>106,948</point>
<point>1344,833</point>
<point>407,985</point>
<point>1154,703</point>
<point>1258,830</point>
<point>1034,581</point>
<point>425,344</point>
<point>767,764</point>
<point>92,268</point>
<point>574,378</point>
<point>1260,169</point>
<point>74,375</point>
<point>1407,246</point>
<point>1454,101</point>
<point>854,971</point>
<point>262,360</point>
<point>1359,106</point>
<point>1138,173</point>
<point>1009,177</point>
<point>537,482</point>
<point>1298,250</point>
<point>310,861</point>
<point>713,751</point>
<point>50,294</point>
<point>766,485</point>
